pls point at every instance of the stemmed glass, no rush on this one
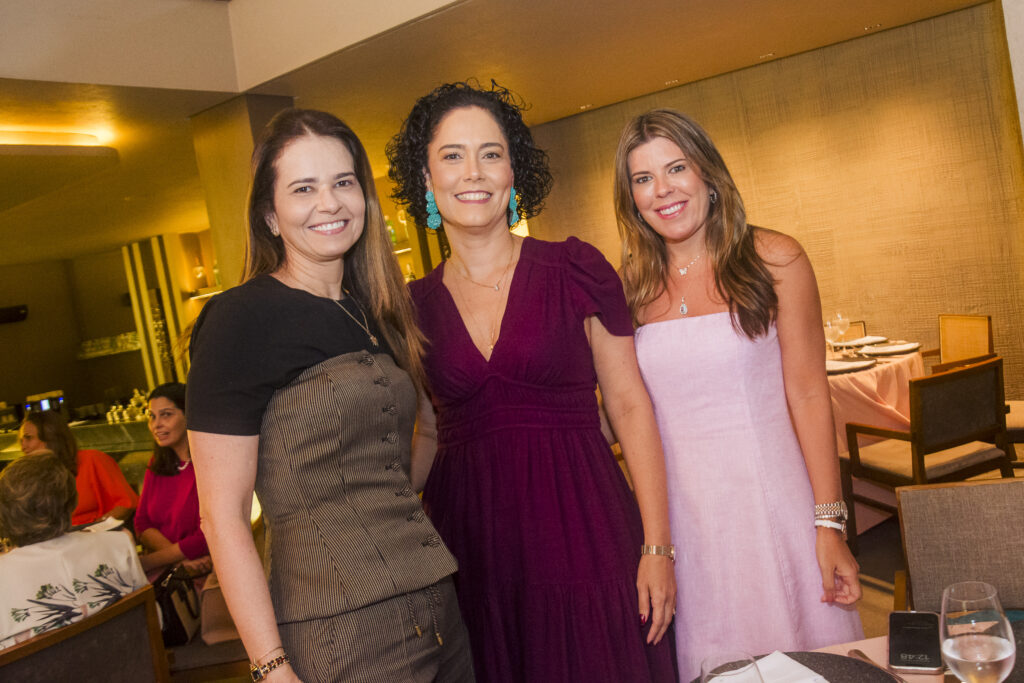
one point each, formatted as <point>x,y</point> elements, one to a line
<point>977,641</point>
<point>831,335</point>
<point>842,322</point>
<point>730,667</point>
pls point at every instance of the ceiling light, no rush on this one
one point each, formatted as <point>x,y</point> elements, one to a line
<point>766,55</point>
<point>674,81</point>
<point>584,107</point>
<point>872,27</point>
<point>39,137</point>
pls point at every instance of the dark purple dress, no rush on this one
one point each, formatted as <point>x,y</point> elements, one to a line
<point>525,490</point>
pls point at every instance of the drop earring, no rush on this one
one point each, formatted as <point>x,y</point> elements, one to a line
<point>513,209</point>
<point>713,195</point>
<point>433,216</point>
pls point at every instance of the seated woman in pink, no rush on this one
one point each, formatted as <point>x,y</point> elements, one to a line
<point>102,489</point>
<point>167,521</point>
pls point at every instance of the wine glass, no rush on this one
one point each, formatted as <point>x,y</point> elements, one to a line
<point>842,322</point>
<point>977,641</point>
<point>730,667</point>
<point>831,335</point>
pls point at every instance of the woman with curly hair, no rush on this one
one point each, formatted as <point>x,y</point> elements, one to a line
<point>731,348</point>
<point>562,576</point>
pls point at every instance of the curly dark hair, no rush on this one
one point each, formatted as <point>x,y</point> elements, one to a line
<point>407,151</point>
<point>37,497</point>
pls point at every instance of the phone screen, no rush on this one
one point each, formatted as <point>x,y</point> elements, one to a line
<point>914,642</point>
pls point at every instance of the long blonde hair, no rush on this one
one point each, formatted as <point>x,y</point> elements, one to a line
<point>740,273</point>
<point>371,274</point>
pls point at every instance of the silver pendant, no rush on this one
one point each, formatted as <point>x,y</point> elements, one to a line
<point>683,310</point>
<point>373,340</point>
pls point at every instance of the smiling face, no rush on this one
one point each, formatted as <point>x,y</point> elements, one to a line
<point>469,170</point>
<point>319,206</point>
<point>668,190</point>
<point>30,441</point>
<point>166,422</point>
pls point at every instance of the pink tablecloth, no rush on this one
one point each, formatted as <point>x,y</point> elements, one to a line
<point>878,396</point>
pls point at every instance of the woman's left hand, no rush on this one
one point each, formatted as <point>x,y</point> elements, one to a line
<point>656,585</point>
<point>838,568</point>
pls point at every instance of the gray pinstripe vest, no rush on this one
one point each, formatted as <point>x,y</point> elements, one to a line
<point>346,528</point>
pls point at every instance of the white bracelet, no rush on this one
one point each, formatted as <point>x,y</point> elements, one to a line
<point>838,526</point>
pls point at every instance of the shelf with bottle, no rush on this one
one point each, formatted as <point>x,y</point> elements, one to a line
<point>109,346</point>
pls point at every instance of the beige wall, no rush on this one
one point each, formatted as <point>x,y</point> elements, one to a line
<point>894,158</point>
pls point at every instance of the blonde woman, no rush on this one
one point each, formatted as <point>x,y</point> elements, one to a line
<point>731,349</point>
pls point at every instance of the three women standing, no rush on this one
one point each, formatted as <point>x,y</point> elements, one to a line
<point>304,387</point>
<point>732,351</point>
<point>561,576</point>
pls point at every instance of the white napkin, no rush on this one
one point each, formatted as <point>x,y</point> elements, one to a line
<point>779,668</point>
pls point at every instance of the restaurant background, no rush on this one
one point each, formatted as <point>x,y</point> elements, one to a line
<point>895,158</point>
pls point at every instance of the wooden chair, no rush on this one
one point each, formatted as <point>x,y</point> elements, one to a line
<point>952,415</point>
<point>856,330</point>
<point>119,644</point>
<point>959,532</point>
<point>961,337</point>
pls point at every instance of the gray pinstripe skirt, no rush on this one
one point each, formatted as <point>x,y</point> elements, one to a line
<point>415,637</point>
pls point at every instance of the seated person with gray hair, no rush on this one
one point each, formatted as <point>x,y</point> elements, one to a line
<point>52,576</point>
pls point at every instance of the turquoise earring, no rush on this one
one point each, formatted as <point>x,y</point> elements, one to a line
<point>433,216</point>
<point>513,209</point>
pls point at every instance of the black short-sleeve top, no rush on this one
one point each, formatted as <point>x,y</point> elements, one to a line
<point>334,415</point>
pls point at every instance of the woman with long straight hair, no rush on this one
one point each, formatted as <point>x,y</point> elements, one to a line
<point>304,388</point>
<point>731,349</point>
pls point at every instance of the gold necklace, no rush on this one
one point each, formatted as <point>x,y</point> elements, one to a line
<point>493,339</point>
<point>683,308</point>
<point>463,272</point>
<point>365,325</point>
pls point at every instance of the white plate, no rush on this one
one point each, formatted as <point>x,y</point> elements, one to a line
<point>836,367</point>
<point>863,341</point>
<point>890,349</point>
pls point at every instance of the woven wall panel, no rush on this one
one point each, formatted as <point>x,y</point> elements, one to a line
<point>895,159</point>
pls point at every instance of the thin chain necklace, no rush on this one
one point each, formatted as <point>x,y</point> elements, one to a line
<point>463,271</point>
<point>365,325</point>
<point>493,338</point>
<point>683,309</point>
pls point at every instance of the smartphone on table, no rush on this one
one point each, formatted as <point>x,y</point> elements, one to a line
<point>914,645</point>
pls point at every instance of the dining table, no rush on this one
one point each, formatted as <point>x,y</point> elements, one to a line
<point>878,395</point>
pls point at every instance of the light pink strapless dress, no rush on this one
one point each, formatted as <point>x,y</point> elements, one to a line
<point>740,501</point>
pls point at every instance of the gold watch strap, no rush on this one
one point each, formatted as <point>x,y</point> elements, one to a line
<point>668,551</point>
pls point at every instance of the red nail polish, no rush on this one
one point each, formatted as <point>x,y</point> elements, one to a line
<point>643,619</point>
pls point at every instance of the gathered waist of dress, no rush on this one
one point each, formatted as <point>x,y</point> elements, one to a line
<point>500,408</point>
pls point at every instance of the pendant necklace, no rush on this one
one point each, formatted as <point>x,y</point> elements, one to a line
<point>183,465</point>
<point>464,272</point>
<point>493,338</point>
<point>365,325</point>
<point>683,309</point>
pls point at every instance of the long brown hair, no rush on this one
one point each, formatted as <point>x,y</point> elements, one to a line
<point>741,275</point>
<point>371,273</point>
<point>54,432</point>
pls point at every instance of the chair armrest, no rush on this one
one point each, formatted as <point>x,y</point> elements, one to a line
<point>930,352</point>
<point>899,590</point>
<point>855,428</point>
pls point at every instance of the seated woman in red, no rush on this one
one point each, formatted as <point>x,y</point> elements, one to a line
<point>102,489</point>
<point>167,521</point>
